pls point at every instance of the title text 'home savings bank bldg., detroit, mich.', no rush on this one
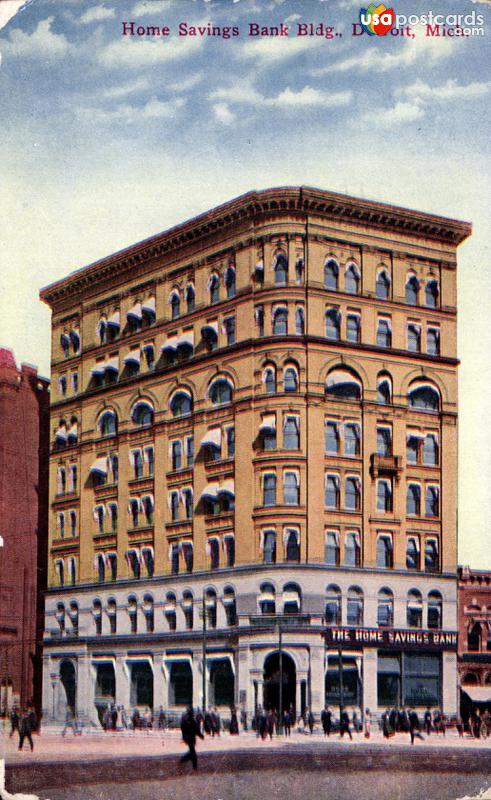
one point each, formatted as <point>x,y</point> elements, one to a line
<point>255,413</point>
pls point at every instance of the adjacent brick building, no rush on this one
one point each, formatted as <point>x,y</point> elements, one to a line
<point>255,414</point>
<point>24,459</point>
<point>474,654</point>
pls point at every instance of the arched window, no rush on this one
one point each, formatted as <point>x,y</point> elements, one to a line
<point>384,389</point>
<point>280,269</point>
<point>299,322</point>
<point>434,610</point>
<point>148,611</point>
<point>414,609</point>
<point>333,605</point>
<point>413,500</point>
<point>142,414</point>
<point>73,614</point>
<point>352,494</point>
<point>412,553</point>
<point>175,305</point>
<point>267,599</point>
<point>181,404</point>
<point>269,547</point>
<point>170,609</point>
<point>292,599</point>
<point>60,615</point>
<point>292,545</point>
<point>187,607</point>
<point>352,279</point>
<point>412,290</point>
<point>333,324</point>
<point>97,616</point>
<point>331,552</point>
<point>280,321</point>
<point>382,286</point>
<point>430,450</point>
<point>108,423</point>
<point>230,606</point>
<point>331,275</point>
<point>269,378</point>
<point>190,298</point>
<point>214,287</point>
<point>355,606</point>
<point>132,609</point>
<point>424,397</point>
<point>341,383</point>
<point>431,294</point>
<point>220,392</point>
<point>290,380</point>
<point>211,607</point>
<point>474,637</point>
<point>385,608</point>
<point>230,282</point>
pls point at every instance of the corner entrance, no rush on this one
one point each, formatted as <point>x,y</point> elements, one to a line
<point>271,678</point>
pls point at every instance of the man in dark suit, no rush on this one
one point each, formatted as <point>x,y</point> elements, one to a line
<point>25,730</point>
<point>190,730</point>
<point>414,730</point>
<point>326,720</point>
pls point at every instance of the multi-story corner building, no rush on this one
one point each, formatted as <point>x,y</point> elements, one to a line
<point>255,414</point>
<point>24,454</point>
<point>474,652</point>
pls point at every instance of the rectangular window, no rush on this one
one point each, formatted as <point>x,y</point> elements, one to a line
<point>331,494</point>
<point>384,333</point>
<point>174,506</point>
<point>114,460</point>
<point>353,328</point>
<point>331,553</point>
<point>62,385</point>
<point>269,547</point>
<point>230,442</point>
<point>291,489</point>
<point>412,448</point>
<point>137,464</point>
<point>414,338</point>
<point>174,558</point>
<point>291,433</point>
<point>384,496</point>
<point>176,450</point>
<point>229,327</point>
<point>331,438</point>
<point>61,525</point>
<point>269,490</point>
<point>73,523</point>
<point>190,451</point>
<point>75,382</point>
<point>384,441</point>
<point>72,478</point>
<point>433,341</point>
<point>351,440</point>
<point>384,552</point>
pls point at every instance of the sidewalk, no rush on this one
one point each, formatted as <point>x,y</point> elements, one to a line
<point>98,745</point>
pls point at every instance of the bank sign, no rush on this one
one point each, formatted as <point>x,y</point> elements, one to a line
<point>390,638</point>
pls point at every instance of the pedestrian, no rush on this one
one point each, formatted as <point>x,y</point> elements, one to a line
<point>414,728</point>
<point>368,723</point>
<point>437,720</point>
<point>270,723</point>
<point>14,721</point>
<point>216,722</point>
<point>25,730</point>
<point>161,721</point>
<point>208,724</point>
<point>70,722</point>
<point>310,721</point>
<point>114,717</point>
<point>124,717</point>
<point>354,720</point>
<point>148,719</point>
<point>243,719</point>
<point>427,721</point>
<point>107,719</point>
<point>386,724</point>
<point>344,726</point>
<point>287,723</point>
<point>262,723</point>
<point>200,719</point>
<point>135,719</point>
<point>190,730</point>
<point>234,722</point>
<point>476,724</point>
<point>326,720</point>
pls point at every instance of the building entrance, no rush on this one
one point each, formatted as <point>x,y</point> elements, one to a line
<point>272,682</point>
<point>69,683</point>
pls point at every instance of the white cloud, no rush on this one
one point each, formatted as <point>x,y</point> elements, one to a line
<point>399,114</point>
<point>139,52</point>
<point>153,109</point>
<point>450,90</point>
<point>185,84</point>
<point>279,48</point>
<point>293,18</point>
<point>223,114</point>
<point>413,51</point>
<point>287,99</point>
<point>41,44</point>
<point>125,89</point>
<point>97,14</point>
<point>151,7</point>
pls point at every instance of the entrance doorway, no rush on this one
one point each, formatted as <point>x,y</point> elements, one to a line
<point>141,685</point>
<point>69,683</point>
<point>272,682</point>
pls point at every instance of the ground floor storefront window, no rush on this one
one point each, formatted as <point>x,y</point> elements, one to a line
<point>409,679</point>
<point>345,682</point>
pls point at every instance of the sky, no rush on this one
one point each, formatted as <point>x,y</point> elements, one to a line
<point>106,139</point>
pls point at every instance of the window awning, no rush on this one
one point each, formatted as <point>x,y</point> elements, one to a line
<point>212,438</point>
<point>339,376</point>
<point>268,423</point>
<point>414,435</point>
<point>133,357</point>
<point>210,492</point>
<point>73,431</point>
<point>291,597</point>
<point>170,343</point>
<point>112,365</point>
<point>99,466</point>
<point>114,320</point>
<point>64,339</point>
<point>479,694</point>
<point>61,434</point>
<point>227,487</point>
<point>148,346</point>
<point>135,311</point>
<point>99,368</point>
<point>210,330</point>
<point>186,339</point>
<point>267,597</point>
<point>148,306</point>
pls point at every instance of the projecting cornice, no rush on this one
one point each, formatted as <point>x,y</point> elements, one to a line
<point>249,209</point>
